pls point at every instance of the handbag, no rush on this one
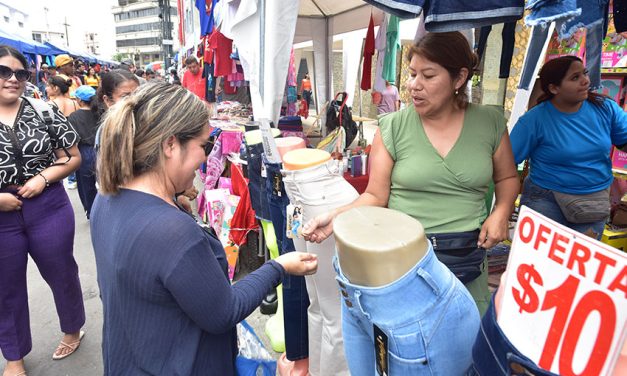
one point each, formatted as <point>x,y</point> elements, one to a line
<point>253,358</point>
<point>339,115</point>
<point>591,207</point>
<point>459,252</point>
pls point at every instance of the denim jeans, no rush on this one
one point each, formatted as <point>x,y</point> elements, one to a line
<point>544,12</point>
<point>508,37</point>
<point>543,201</point>
<point>539,34</point>
<point>445,15</point>
<point>400,8</point>
<point>318,190</point>
<point>428,316</point>
<point>295,298</point>
<point>494,355</point>
<point>86,177</point>
<point>256,182</point>
<point>593,17</point>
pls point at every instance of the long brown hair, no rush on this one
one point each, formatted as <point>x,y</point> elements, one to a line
<point>553,73</point>
<point>450,50</point>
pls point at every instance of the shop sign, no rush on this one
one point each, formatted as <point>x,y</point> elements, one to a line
<point>564,302</point>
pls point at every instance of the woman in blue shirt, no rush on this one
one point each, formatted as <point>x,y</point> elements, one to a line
<point>567,138</point>
<point>169,308</point>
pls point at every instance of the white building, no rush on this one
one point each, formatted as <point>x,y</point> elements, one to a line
<point>14,20</point>
<point>92,43</point>
<point>138,29</point>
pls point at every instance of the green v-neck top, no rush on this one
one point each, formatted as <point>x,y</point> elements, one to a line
<point>444,194</point>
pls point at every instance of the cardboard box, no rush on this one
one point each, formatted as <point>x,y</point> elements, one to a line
<point>615,238</point>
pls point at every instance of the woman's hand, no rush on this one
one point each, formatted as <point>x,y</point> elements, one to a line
<point>495,229</point>
<point>33,187</point>
<point>319,228</point>
<point>185,203</point>
<point>9,202</point>
<point>298,263</point>
<point>191,193</point>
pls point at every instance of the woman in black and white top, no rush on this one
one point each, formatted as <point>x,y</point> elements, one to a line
<point>38,148</point>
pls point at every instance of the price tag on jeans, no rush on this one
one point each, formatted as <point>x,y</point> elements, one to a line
<point>565,298</point>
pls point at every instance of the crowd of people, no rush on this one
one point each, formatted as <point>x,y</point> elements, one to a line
<point>168,305</point>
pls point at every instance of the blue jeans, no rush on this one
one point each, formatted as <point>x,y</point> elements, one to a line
<point>86,177</point>
<point>445,15</point>
<point>494,355</point>
<point>428,316</point>
<point>545,12</point>
<point>256,182</point>
<point>400,8</point>
<point>508,38</point>
<point>543,201</point>
<point>295,297</point>
<point>539,35</point>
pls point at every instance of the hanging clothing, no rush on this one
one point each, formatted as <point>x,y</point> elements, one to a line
<point>206,23</point>
<point>508,36</point>
<point>243,219</point>
<point>366,73</point>
<point>222,48</point>
<point>380,43</point>
<point>391,49</point>
<point>400,8</point>
<point>447,15</point>
<point>620,16</point>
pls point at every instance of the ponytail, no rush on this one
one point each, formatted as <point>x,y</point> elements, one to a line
<point>115,159</point>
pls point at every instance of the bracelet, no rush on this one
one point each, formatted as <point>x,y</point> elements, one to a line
<point>46,180</point>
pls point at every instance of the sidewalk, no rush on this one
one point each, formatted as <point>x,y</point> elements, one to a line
<point>87,361</point>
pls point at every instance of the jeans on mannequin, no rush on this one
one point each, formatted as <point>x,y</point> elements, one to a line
<point>494,354</point>
<point>295,298</point>
<point>420,313</point>
<point>318,190</point>
<point>508,36</point>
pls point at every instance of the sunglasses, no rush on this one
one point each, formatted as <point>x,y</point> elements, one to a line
<point>20,74</point>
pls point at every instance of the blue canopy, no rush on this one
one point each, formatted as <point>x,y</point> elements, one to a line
<point>25,45</point>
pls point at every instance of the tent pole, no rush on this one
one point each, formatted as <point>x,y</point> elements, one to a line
<point>262,46</point>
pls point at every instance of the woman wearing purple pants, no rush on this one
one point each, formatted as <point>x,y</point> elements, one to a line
<point>38,148</point>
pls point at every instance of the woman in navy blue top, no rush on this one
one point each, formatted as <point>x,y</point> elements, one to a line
<point>169,308</point>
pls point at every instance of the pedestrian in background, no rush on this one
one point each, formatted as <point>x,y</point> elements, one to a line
<point>36,216</point>
<point>85,121</point>
<point>92,79</point>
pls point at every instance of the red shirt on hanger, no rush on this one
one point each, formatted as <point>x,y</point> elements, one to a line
<point>366,76</point>
<point>222,47</point>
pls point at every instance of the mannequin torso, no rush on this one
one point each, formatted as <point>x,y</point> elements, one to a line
<point>376,246</point>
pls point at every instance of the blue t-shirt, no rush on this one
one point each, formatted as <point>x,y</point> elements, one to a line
<point>570,152</point>
<point>169,308</point>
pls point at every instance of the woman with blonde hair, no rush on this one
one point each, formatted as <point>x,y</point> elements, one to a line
<point>169,308</point>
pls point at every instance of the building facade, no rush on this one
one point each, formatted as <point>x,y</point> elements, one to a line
<point>139,29</point>
<point>14,20</point>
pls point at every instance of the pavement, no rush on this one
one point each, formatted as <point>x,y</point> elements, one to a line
<point>87,360</point>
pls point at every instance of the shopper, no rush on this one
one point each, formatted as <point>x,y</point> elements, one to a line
<point>168,305</point>
<point>36,217</point>
<point>92,79</point>
<point>65,69</point>
<point>58,92</point>
<point>567,138</point>
<point>192,78</point>
<point>436,159</point>
<point>115,86</point>
<point>85,121</point>
<point>390,100</point>
<point>305,88</point>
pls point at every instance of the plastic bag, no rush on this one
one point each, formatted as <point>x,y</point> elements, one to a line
<point>253,359</point>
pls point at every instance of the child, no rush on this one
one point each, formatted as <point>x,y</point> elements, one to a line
<point>302,107</point>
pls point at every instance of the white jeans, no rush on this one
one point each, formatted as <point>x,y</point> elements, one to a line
<point>318,190</point>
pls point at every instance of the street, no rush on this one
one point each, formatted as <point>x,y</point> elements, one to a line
<point>87,360</point>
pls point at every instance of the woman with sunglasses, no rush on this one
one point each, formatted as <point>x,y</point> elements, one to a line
<point>36,217</point>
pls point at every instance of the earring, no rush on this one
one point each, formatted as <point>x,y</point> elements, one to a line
<point>456,92</point>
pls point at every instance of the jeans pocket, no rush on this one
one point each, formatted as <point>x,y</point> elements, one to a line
<point>407,351</point>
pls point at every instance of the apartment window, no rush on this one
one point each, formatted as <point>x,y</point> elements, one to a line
<point>6,19</point>
<point>142,13</point>
<point>37,37</point>
<point>20,24</point>
<point>137,42</point>
<point>141,27</point>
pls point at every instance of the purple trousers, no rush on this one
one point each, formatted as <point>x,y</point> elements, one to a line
<point>43,229</point>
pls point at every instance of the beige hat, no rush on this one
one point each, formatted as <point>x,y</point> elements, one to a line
<point>62,60</point>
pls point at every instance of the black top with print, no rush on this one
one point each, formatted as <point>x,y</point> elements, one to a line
<point>35,141</point>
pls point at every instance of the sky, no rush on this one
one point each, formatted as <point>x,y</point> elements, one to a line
<point>82,16</point>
